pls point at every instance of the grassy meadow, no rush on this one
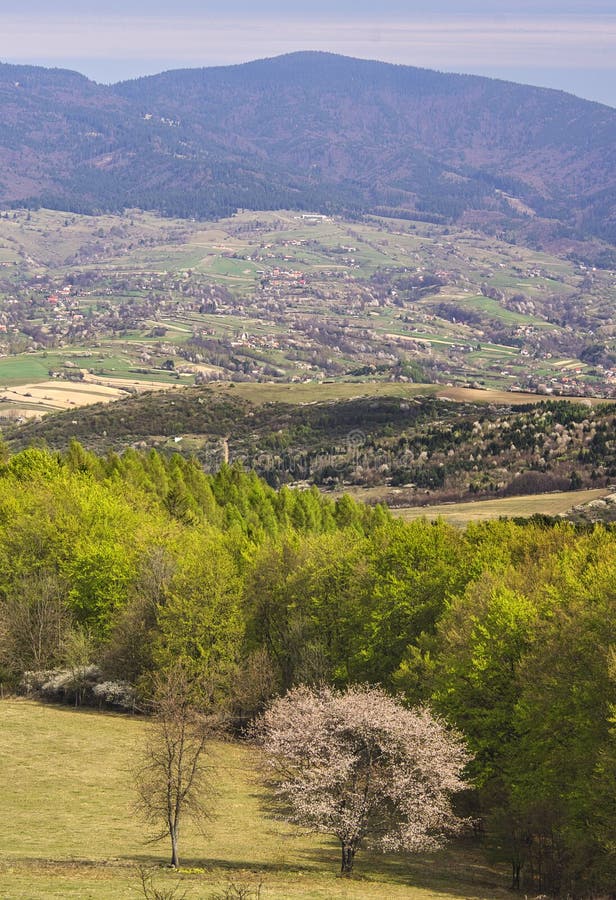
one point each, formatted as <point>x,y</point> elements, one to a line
<point>70,832</point>
<point>551,504</point>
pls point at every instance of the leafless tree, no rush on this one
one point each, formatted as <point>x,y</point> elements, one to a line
<point>361,766</point>
<point>34,622</point>
<point>153,892</point>
<point>172,778</point>
<point>237,891</point>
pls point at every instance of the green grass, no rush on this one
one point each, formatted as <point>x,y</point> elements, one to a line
<point>70,832</point>
<point>22,369</point>
<point>34,367</point>
<point>494,310</point>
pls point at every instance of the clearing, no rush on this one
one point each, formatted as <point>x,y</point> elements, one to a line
<point>67,794</point>
<point>552,504</point>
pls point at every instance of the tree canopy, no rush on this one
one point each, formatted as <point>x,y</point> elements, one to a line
<point>359,765</point>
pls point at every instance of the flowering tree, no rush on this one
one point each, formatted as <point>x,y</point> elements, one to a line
<point>359,765</point>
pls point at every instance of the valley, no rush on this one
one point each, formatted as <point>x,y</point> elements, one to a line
<point>307,481</point>
<point>395,357</point>
<point>136,301</point>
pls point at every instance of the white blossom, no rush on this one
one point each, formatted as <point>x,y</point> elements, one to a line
<point>360,765</point>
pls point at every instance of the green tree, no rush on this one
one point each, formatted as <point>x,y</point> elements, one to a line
<point>198,622</point>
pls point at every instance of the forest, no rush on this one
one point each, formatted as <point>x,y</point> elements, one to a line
<point>115,568</point>
<point>435,450</point>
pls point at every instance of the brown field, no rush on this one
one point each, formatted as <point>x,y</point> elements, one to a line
<point>552,504</point>
<point>32,399</point>
<point>513,398</point>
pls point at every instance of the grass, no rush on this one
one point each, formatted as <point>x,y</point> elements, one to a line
<point>344,390</point>
<point>552,504</point>
<point>34,367</point>
<point>15,370</point>
<point>70,831</point>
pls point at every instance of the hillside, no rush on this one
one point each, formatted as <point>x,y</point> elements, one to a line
<point>408,447</point>
<point>96,307</point>
<point>115,570</point>
<point>313,131</point>
<point>92,847</point>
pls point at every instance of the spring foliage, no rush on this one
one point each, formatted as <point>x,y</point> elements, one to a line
<point>131,564</point>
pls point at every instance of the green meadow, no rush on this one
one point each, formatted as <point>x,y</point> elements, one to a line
<point>70,830</point>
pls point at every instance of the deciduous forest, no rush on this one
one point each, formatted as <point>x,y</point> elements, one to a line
<point>115,568</point>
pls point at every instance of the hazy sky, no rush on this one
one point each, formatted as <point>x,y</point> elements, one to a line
<point>555,43</point>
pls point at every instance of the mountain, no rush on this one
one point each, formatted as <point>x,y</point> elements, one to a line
<point>313,131</point>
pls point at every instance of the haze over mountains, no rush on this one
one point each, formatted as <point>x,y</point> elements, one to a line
<point>311,131</point>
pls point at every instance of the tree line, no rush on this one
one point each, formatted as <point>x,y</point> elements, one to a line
<point>126,566</point>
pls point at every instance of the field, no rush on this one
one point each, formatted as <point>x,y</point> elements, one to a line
<point>35,398</point>
<point>269,296</point>
<point>45,396</point>
<point>536,504</point>
<point>70,831</point>
<point>346,390</point>
<point>113,365</point>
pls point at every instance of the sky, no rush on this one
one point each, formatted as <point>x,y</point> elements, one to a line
<point>561,44</point>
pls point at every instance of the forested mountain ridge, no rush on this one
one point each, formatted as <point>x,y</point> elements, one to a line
<point>313,131</point>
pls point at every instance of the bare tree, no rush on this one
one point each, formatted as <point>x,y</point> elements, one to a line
<point>152,892</point>
<point>172,782</point>
<point>237,891</point>
<point>34,622</point>
<point>361,766</point>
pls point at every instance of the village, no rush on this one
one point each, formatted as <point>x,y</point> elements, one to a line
<point>307,299</point>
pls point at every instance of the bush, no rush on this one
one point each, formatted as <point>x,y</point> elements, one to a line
<point>82,686</point>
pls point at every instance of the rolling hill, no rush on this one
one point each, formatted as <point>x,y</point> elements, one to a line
<point>312,131</point>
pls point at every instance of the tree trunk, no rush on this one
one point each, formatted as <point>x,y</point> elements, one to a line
<point>348,856</point>
<point>515,875</point>
<point>175,862</point>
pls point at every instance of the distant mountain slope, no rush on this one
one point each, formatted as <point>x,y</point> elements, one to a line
<point>310,130</point>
